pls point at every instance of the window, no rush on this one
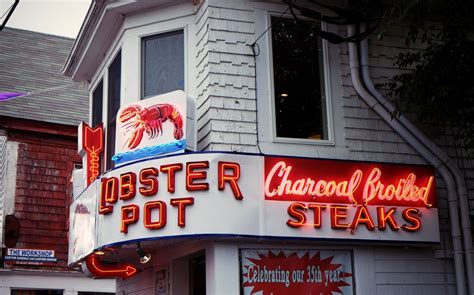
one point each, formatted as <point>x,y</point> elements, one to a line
<point>162,63</point>
<point>113,105</point>
<point>197,275</point>
<point>97,100</point>
<point>298,79</point>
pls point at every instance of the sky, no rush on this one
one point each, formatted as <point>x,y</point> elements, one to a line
<point>56,17</point>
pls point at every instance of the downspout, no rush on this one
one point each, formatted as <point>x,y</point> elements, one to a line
<point>447,161</point>
<point>422,150</point>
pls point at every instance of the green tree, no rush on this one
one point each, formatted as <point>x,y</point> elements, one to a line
<point>439,82</point>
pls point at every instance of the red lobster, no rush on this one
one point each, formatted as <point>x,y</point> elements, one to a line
<point>137,119</point>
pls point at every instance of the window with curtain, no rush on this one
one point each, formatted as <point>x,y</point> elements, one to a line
<point>162,63</point>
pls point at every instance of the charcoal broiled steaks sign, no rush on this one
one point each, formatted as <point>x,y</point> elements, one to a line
<point>303,272</point>
<point>235,194</point>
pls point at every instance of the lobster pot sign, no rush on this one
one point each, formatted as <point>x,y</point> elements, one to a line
<point>154,126</point>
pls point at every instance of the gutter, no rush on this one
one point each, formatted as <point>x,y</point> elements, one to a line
<point>435,150</point>
<point>409,133</point>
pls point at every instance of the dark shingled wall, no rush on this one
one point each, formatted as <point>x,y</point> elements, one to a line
<point>43,194</point>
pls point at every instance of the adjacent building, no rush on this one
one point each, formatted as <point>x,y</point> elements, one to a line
<point>242,153</point>
<point>38,154</point>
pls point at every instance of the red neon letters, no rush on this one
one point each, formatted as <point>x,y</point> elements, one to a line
<point>344,217</point>
<point>171,170</point>
<point>293,179</point>
<point>131,185</point>
<point>231,179</point>
<point>149,181</point>
<point>192,176</point>
<point>161,206</point>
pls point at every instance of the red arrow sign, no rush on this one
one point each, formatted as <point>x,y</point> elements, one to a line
<point>91,145</point>
<point>99,270</point>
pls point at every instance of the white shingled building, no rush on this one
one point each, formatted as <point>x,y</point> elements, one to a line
<point>295,179</point>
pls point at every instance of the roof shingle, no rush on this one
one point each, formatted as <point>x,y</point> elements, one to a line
<point>32,62</point>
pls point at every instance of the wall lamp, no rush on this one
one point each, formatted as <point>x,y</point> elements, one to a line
<point>144,257</point>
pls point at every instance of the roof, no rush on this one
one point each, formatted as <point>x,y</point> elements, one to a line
<point>99,29</point>
<point>32,62</point>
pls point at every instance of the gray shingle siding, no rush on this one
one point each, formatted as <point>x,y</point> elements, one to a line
<point>32,62</point>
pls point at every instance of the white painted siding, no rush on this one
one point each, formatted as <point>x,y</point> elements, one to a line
<point>142,284</point>
<point>226,103</point>
<point>368,137</point>
<point>226,106</point>
<point>412,271</point>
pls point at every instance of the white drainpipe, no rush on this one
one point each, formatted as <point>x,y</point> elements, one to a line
<point>382,111</point>
<point>434,149</point>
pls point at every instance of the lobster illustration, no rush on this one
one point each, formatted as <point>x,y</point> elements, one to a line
<point>137,120</point>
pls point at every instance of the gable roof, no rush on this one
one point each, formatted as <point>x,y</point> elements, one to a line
<point>32,62</point>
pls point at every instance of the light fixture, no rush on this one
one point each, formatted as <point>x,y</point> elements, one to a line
<point>144,257</point>
<point>99,252</point>
<point>284,95</point>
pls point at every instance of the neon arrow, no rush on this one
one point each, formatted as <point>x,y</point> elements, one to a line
<point>91,145</point>
<point>99,270</point>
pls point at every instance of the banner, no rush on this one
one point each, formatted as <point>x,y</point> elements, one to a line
<point>302,272</point>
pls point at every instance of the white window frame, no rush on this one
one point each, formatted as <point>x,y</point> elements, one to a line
<point>326,93</point>
<point>269,143</point>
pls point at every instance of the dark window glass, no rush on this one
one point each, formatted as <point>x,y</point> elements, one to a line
<point>162,63</point>
<point>97,99</point>
<point>113,105</point>
<point>300,104</point>
<point>198,275</point>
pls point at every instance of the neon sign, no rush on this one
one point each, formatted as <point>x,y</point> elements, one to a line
<point>350,195</point>
<point>195,178</point>
<point>151,127</point>
<point>254,195</point>
<point>136,120</point>
<point>100,270</point>
<point>293,179</point>
<point>91,145</point>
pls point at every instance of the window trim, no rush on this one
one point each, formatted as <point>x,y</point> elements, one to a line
<point>327,93</point>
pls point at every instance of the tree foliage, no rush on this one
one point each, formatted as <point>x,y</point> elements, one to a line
<point>438,84</point>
